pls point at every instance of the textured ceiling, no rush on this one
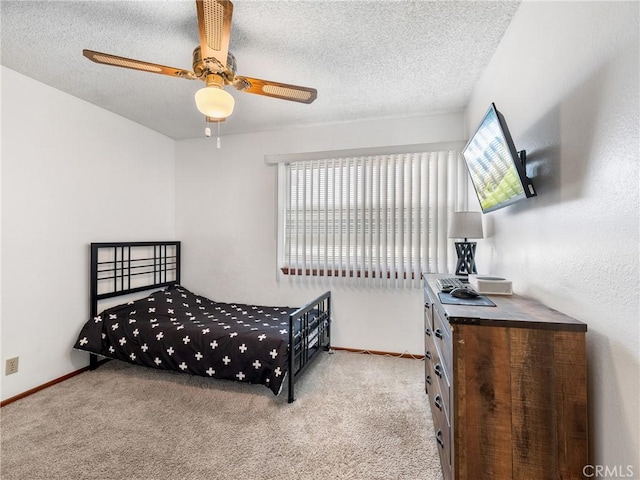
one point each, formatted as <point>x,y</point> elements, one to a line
<point>367,59</point>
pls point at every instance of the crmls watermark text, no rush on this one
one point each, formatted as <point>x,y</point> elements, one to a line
<point>608,471</point>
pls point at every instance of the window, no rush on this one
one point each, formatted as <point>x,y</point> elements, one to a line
<point>382,218</point>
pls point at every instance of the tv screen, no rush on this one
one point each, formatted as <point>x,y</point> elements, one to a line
<point>496,170</point>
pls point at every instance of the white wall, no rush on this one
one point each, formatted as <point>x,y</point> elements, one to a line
<point>226,219</point>
<point>72,173</point>
<point>566,78</point>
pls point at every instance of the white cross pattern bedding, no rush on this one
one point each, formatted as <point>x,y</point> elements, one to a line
<point>175,329</point>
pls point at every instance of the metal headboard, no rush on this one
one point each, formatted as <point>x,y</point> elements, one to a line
<point>121,268</point>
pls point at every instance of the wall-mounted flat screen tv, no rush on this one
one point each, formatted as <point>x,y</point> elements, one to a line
<point>497,170</point>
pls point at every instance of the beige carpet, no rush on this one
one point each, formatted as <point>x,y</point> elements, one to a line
<point>356,417</point>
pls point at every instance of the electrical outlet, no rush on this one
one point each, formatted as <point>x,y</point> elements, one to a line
<point>11,366</point>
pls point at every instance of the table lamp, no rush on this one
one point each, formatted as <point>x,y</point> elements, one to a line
<point>466,225</point>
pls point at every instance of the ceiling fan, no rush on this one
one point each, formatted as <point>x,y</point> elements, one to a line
<point>215,65</point>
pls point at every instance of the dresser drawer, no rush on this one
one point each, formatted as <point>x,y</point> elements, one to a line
<point>428,311</point>
<point>443,438</point>
<point>441,333</point>
<point>441,398</point>
<point>430,380</point>
<point>429,353</point>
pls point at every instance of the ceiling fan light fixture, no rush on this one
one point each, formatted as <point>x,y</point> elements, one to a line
<point>213,101</point>
<point>214,65</point>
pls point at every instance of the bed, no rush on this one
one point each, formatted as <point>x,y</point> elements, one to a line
<point>173,328</point>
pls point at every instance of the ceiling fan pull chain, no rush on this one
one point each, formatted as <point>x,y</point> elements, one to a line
<point>218,142</point>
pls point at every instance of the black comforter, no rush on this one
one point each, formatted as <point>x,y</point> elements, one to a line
<point>175,329</point>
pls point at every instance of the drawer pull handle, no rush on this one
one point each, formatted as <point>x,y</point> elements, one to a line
<point>427,354</point>
<point>438,402</point>
<point>438,370</point>
<point>439,438</point>
<point>427,331</point>
<point>428,379</point>
<point>438,333</point>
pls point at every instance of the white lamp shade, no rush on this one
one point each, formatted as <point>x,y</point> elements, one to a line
<point>214,102</point>
<point>466,225</point>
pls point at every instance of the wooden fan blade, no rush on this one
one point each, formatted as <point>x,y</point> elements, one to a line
<point>107,59</point>
<point>284,91</point>
<point>214,24</point>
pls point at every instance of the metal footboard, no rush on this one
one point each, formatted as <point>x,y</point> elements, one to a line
<point>309,333</point>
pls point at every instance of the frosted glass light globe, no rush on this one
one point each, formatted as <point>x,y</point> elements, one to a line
<point>214,102</point>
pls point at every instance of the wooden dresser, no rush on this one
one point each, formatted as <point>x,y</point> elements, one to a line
<point>507,387</point>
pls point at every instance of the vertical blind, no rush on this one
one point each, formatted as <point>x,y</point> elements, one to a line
<point>380,219</point>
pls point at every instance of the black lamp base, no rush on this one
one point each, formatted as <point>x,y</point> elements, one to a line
<point>466,258</point>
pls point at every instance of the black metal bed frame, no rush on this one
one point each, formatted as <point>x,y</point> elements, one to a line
<point>309,326</point>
